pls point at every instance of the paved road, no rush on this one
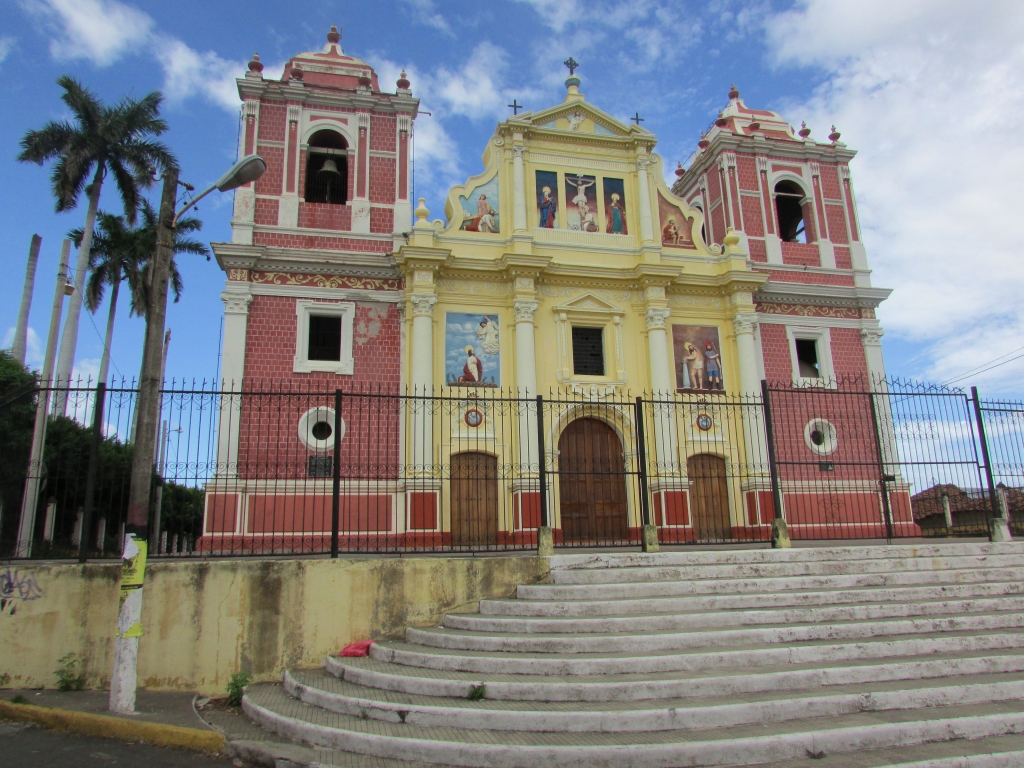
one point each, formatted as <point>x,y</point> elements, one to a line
<point>26,746</point>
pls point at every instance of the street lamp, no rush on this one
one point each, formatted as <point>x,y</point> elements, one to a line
<point>129,627</point>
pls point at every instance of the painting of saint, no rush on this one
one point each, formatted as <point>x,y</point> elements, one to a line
<point>480,208</point>
<point>547,199</point>
<point>615,207</point>
<point>698,354</point>
<point>675,226</point>
<point>582,214</point>
<point>472,346</point>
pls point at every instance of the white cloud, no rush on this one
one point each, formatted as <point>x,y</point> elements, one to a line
<point>6,46</point>
<point>188,72</point>
<point>98,30</point>
<point>33,346</point>
<point>426,13</point>
<point>929,92</point>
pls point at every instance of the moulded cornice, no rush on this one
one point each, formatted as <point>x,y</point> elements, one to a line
<point>775,292</point>
<point>411,257</point>
<point>731,142</point>
<point>301,260</point>
<point>382,103</point>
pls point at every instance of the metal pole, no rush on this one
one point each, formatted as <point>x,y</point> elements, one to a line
<point>641,450</point>
<point>21,329</point>
<point>769,432</point>
<point>336,490</point>
<point>30,499</point>
<point>542,475</point>
<point>883,478</point>
<point>90,478</point>
<point>997,510</point>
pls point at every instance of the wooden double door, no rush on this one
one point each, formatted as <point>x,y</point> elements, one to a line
<point>709,497</point>
<point>592,483</point>
<point>474,499</point>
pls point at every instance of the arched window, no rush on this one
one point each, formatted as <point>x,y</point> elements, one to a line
<point>789,211</point>
<point>327,168</point>
<point>703,228</point>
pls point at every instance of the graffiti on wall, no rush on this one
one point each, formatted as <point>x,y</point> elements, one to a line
<point>15,588</point>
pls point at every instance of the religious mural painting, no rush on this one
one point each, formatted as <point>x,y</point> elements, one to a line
<point>472,350</point>
<point>581,211</point>
<point>615,207</point>
<point>547,199</point>
<point>698,354</point>
<point>675,226</point>
<point>480,208</point>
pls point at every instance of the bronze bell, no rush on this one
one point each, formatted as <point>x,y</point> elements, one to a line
<point>330,167</point>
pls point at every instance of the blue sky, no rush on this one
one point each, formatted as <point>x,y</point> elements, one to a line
<point>929,91</point>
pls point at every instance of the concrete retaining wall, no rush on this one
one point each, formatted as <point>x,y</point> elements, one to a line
<point>204,621</point>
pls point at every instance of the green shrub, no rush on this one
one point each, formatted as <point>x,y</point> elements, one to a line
<point>236,687</point>
<point>68,676</point>
<point>19,699</point>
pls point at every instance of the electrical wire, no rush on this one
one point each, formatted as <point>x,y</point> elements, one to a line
<point>983,369</point>
<point>100,336</point>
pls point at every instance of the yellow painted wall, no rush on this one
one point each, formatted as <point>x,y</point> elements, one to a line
<point>204,621</point>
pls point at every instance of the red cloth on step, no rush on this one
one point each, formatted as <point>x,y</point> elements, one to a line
<point>357,649</point>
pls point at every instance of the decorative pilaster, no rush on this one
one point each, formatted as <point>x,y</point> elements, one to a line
<point>403,204</point>
<point>288,207</point>
<point>519,190</point>
<point>665,438</point>
<point>361,203</point>
<point>744,325</point>
<point>236,298</point>
<point>421,411</point>
<point>644,201</point>
<point>826,251</point>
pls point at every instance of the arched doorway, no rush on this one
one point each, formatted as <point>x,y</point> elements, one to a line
<point>474,498</point>
<point>709,497</point>
<point>592,483</point>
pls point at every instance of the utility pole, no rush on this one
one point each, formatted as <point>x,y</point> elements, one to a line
<point>129,626</point>
<point>20,344</point>
<point>36,468</point>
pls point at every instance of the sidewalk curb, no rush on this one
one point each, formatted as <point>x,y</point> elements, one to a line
<point>107,726</point>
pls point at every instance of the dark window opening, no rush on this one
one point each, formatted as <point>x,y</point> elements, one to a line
<point>320,466</point>
<point>587,351</point>
<point>324,337</point>
<point>321,430</point>
<point>327,169</point>
<point>817,437</point>
<point>790,213</point>
<point>807,358</point>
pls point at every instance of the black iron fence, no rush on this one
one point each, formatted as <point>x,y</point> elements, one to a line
<point>270,471</point>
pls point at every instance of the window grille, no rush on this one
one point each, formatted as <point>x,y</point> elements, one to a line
<point>588,351</point>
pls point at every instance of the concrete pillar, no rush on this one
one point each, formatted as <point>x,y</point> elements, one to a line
<point>526,384</point>
<point>662,388</point>
<point>236,298</point>
<point>755,442</point>
<point>519,190</point>
<point>644,201</point>
<point>422,380</point>
<point>871,338</point>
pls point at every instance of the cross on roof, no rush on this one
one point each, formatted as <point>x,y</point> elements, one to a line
<point>515,106</point>
<point>637,119</point>
<point>571,63</point>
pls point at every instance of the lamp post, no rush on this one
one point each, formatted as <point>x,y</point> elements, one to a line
<point>129,626</point>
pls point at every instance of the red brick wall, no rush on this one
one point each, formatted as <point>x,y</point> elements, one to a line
<point>810,278</point>
<point>836,224</point>
<point>804,254</point>
<point>270,182</point>
<point>830,182</point>
<point>778,365</point>
<point>382,179</point>
<point>717,224</point>
<point>325,216</point>
<point>848,353</point>
<point>266,212</point>
<point>272,120</point>
<point>382,134</point>
<point>758,252</point>
<point>321,242</point>
<point>752,223</point>
<point>382,220</point>
<point>843,258</point>
<point>747,168</point>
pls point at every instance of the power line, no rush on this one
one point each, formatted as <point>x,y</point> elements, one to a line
<point>985,370</point>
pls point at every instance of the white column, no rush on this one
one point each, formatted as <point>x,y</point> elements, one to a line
<point>666,441</point>
<point>422,380</point>
<point>871,338</point>
<point>646,221</point>
<point>519,191</point>
<point>754,439</point>
<point>236,300</point>
<point>526,378</point>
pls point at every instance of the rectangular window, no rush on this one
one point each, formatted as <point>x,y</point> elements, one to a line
<point>587,351</point>
<point>807,358</point>
<point>324,337</point>
<point>320,466</point>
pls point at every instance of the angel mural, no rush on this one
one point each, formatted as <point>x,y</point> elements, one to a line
<point>472,350</point>
<point>481,214</point>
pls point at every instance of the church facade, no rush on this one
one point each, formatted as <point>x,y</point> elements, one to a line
<point>567,268</point>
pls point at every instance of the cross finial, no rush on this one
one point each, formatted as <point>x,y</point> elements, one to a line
<point>571,63</point>
<point>515,106</point>
<point>637,119</point>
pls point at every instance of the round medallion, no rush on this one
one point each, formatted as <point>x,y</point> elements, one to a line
<point>704,422</point>
<point>473,417</point>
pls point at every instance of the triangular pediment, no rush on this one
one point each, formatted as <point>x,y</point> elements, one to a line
<point>581,117</point>
<point>589,303</point>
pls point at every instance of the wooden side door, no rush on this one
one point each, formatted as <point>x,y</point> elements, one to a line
<point>592,483</point>
<point>474,499</point>
<point>709,497</point>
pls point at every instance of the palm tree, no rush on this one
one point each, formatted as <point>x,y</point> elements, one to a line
<point>121,253</point>
<point>102,139</point>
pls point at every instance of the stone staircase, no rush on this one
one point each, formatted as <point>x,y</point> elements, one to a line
<point>832,656</point>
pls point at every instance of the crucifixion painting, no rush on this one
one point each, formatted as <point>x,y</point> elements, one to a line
<point>582,215</point>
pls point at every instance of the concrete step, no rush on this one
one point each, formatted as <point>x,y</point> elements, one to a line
<point>724,556</point>
<point>326,691</point>
<point>751,656</point>
<point>274,709</point>
<point>711,587</point>
<point>621,575</point>
<point>398,679</point>
<point>723,617</point>
<point>653,642</point>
